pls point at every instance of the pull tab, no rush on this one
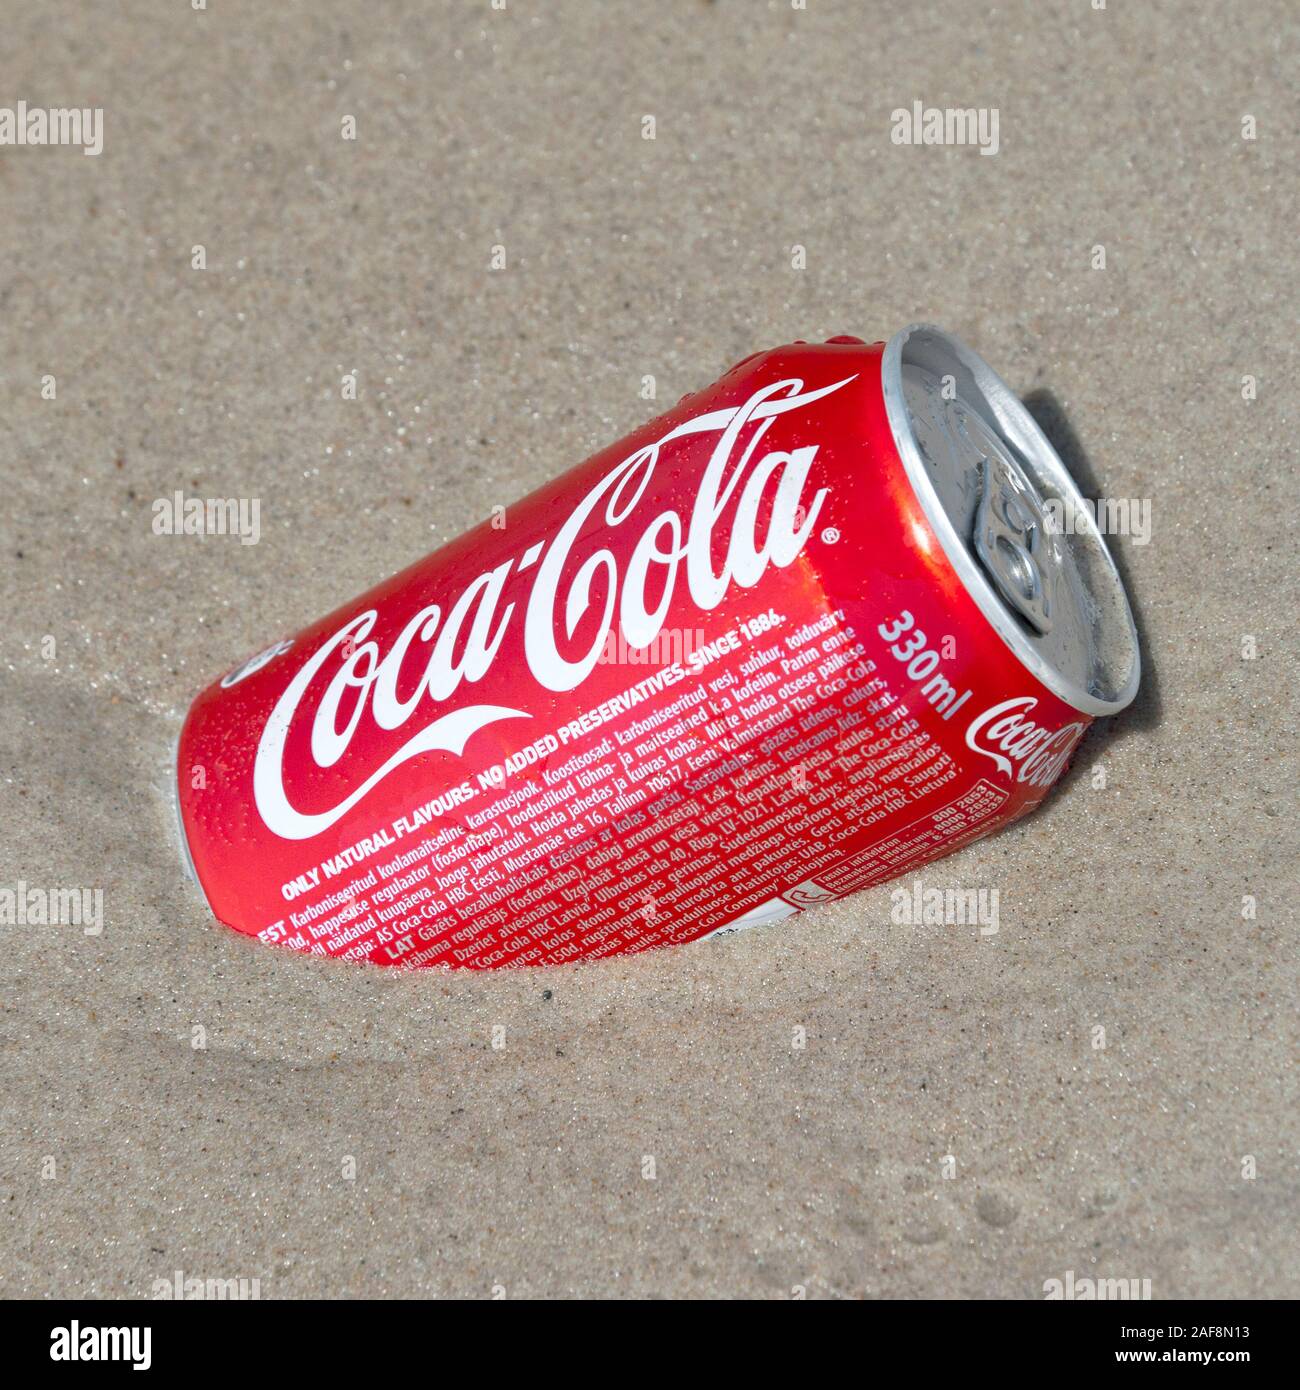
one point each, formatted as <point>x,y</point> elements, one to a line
<point>1011,530</point>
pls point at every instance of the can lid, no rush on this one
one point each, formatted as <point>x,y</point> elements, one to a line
<point>1011,519</point>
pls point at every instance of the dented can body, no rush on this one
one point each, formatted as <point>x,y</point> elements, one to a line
<point>808,630</point>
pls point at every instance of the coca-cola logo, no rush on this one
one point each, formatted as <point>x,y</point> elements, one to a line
<point>1023,750</point>
<point>461,645</point>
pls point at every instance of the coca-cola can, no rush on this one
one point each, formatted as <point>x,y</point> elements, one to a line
<point>814,627</point>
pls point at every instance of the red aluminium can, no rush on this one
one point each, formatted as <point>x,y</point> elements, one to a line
<point>809,630</point>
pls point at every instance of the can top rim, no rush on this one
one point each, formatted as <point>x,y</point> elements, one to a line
<point>1117,669</point>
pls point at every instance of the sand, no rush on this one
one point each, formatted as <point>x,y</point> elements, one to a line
<point>176,1097</point>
